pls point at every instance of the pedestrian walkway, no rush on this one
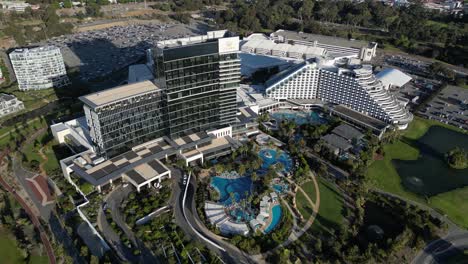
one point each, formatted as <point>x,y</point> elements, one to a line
<point>260,258</point>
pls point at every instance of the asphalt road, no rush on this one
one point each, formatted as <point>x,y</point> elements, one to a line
<point>439,250</point>
<point>231,253</point>
<point>114,200</point>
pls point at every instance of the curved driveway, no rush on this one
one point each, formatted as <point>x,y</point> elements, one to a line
<point>231,254</point>
<point>438,250</point>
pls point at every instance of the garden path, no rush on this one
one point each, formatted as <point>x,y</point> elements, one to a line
<point>260,258</point>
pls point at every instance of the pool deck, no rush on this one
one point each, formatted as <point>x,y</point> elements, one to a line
<point>270,212</point>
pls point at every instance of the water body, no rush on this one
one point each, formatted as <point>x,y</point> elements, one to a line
<point>275,218</point>
<point>430,174</point>
<point>299,117</point>
<point>270,158</point>
<point>241,187</point>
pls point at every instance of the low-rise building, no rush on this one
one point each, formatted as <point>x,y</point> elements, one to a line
<point>9,104</point>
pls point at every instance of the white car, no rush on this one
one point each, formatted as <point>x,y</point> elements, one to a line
<point>185,179</point>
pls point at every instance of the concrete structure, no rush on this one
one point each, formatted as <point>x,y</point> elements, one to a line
<point>139,73</point>
<point>9,104</point>
<point>39,68</point>
<point>266,46</point>
<point>354,86</point>
<point>125,116</point>
<point>334,46</point>
<point>200,76</point>
<point>141,165</point>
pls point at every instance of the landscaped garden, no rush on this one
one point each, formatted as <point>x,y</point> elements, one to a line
<point>415,168</point>
<point>238,204</point>
<point>138,205</point>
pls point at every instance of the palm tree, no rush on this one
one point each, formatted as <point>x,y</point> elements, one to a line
<point>254,176</point>
<point>242,169</point>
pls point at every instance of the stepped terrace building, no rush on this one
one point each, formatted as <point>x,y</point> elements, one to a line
<point>200,76</point>
<point>355,87</point>
<point>39,68</point>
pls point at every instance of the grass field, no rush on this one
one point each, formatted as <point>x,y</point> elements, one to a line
<point>330,215</point>
<point>302,204</point>
<point>32,152</point>
<point>383,175</point>
<point>10,254</point>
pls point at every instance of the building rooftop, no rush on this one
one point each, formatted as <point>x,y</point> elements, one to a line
<point>393,77</point>
<point>210,35</point>
<point>337,142</point>
<point>34,49</point>
<point>118,93</point>
<point>348,132</point>
<point>359,117</point>
<point>6,97</point>
<point>328,40</point>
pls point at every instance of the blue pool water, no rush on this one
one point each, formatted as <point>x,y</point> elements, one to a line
<point>300,118</point>
<point>269,158</point>
<point>275,218</point>
<point>280,188</point>
<point>237,186</point>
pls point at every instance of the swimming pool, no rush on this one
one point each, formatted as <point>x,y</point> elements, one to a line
<point>275,218</point>
<point>299,117</point>
<point>241,187</point>
<point>269,157</point>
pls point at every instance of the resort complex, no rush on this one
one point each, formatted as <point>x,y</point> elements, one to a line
<point>309,132</point>
<point>221,149</point>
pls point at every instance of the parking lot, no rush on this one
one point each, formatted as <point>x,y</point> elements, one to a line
<point>100,52</point>
<point>450,106</point>
<point>416,90</point>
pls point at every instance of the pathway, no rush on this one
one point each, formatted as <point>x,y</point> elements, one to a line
<point>34,220</point>
<point>297,234</point>
<point>45,159</point>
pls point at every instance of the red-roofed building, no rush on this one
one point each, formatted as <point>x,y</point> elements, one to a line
<point>40,189</point>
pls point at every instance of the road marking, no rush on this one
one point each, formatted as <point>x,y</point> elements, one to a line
<point>190,224</point>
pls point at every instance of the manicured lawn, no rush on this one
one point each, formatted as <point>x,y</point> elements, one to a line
<point>454,204</point>
<point>383,175</point>
<point>302,204</point>
<point>9,253</point>
<point>330,214</point>
<point>5,136</point>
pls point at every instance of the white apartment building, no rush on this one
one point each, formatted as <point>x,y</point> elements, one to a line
<point>17,6</point>
<point>9,104</point>
<point>356,88</point>
<point>39,68</point>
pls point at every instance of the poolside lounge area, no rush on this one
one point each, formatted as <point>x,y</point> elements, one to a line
<point>219,218</point>
<point>267,219</point>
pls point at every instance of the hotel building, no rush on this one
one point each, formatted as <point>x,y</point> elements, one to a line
<point>354,87</point>
<point>199,76</point>
<point>39,68</point>
<point>125,116</point>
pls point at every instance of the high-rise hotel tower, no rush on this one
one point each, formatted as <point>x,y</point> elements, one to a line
<point>199,76</point>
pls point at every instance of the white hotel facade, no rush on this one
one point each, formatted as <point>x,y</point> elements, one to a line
<point>355,87</point>
<point>39,68</point>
